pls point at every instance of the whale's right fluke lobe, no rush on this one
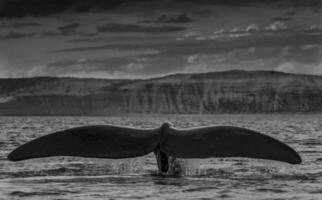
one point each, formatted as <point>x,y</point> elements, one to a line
<point>91,141</point>
<point>226,141</point>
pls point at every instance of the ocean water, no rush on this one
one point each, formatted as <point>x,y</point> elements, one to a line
<point>233,178</point>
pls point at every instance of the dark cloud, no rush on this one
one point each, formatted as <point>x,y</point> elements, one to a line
<point>180,18</point>
<point>290,13</point>
<point>21,25</point>
<point>166,18</point>
<point>69,29</point>
<point>277,3</point>
<point>133,28</point>
<point>16,35</point>
<point>131,45</point>
<point>201,12</point>
<point>20,8</point>
<point>124,39</point>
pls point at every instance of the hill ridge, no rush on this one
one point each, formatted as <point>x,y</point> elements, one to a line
<point>234,91</point>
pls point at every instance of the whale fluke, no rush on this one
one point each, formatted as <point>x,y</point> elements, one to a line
<point>91,141</point>
<point>226,141</point>
<point>115,142</point>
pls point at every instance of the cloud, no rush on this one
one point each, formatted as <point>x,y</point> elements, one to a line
<point>210,59</point>
<point>69,29</point>
<point>252,28</point>
<point>62,67</point>
<point>180,18</point>
<point>310,46</point>
<point>95,68</point>
<point>128,28</point>
<point>281,19</point>
<point>191,34</point>
<point>276,26</point>
<point>44,70</point>
<point>16,35</point>
<point>105,75</point>
<point>116,50</point>
<point>49,33</point>
<point>238,31</point>
<point>20,25</point>
<point>21,8</point>
<point>292,58</point>
<point>300,68</point>
<point>237,35</point>
<point>166,48</point>
<point>135,67</point>
<point>314,29</point>
<point>192,58</point>
<point>129,64</point>
<point>208,56</point>
<point>290,13</point>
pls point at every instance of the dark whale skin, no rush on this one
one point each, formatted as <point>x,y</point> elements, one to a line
<point>106,141</point>
<point>101,141</point>
<point>226,141</point>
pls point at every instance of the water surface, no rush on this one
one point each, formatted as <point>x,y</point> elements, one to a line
<point>233,178</point>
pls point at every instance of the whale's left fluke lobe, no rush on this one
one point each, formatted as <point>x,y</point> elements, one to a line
<point>91,141</point>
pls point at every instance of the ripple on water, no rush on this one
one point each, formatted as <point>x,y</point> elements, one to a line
<point>40,193</point>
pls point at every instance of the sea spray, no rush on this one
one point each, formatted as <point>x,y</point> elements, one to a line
<point>229,167</point>
<point>127,166</point>
<point>184,167</point>
<point>71,166</point>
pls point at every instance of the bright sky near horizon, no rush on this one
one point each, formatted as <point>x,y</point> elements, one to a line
<point>146,39</point>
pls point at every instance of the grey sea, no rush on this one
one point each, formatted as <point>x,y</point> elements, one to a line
<point>233,178</point>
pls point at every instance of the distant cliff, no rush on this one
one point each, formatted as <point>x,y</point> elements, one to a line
<point>218,92</point>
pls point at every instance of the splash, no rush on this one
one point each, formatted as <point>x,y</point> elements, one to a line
<point>184,167</point>
<point>230,167</point>
<point>75,166</point>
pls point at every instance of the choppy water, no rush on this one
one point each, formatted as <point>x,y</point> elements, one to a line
<point>234,178</point>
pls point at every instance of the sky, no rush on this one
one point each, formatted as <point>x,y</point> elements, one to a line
<point>142,39</point>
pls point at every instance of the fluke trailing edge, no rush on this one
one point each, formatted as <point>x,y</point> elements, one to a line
<point>115,142</point>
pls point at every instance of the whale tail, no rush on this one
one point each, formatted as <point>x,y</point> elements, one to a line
<point>120,142</point>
